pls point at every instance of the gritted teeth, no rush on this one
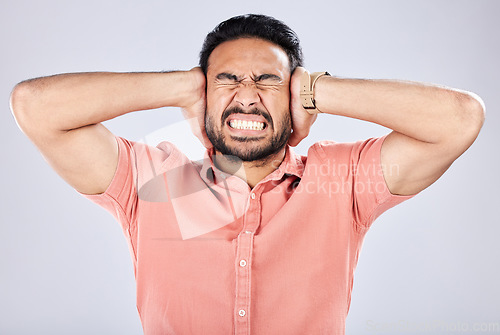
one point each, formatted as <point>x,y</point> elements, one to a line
<point>246,125</point>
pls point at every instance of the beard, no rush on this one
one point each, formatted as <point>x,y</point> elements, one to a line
<point>281,134</point>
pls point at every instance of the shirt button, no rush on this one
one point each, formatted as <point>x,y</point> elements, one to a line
<point>243,263</point>
<point>242,312</point>
<point>252,195</point>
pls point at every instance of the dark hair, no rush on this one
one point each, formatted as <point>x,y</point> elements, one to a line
<point>257,26</point>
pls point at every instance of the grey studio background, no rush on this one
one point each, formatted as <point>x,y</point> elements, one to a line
<point>428,266</point>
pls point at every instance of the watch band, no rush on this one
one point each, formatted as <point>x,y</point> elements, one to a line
<point>307,82</point>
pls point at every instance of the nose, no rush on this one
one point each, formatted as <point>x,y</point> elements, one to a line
<point>247,94</point>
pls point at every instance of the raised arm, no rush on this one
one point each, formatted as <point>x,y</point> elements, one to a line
<point>61,114</point>
<point>432,125</point>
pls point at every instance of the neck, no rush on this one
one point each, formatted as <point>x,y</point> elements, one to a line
<point>252,172</point>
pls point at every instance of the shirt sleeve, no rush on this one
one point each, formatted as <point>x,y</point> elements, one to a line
<point>358,167</point>
<point>120,198</point>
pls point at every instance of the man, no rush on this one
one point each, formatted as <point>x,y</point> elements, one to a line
<point>254,239</point>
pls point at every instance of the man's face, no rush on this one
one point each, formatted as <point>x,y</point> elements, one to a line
<point>248,98</point>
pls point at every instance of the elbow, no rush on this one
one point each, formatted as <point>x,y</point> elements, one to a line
<point>469,116</point>
<point>21,101</point>
<point>473,114</point>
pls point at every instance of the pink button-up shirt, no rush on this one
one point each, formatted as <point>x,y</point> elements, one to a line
<point>212,256</point>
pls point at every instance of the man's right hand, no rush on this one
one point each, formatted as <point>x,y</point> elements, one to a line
<point>195,107</point>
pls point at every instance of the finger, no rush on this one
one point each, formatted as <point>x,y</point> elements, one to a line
<point>205,141</point>
<point>201,134</point>
<point>295,139</point>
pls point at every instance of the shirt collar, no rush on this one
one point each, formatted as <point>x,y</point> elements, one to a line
<point>293,164</point>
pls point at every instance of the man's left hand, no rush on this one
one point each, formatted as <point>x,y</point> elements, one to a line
<point>301,119</point>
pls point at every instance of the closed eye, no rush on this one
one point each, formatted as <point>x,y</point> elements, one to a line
<point>227,79</point>
<point>263,80</point>
<point>268,80</point>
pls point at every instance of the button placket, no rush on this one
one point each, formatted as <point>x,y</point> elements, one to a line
<point>243,283</point>
<point>243,264</point>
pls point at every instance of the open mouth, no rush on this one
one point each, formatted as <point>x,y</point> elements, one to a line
<point>246,124</point>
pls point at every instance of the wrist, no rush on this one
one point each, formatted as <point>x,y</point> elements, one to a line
<point>321,95</point>
<point>307,90</point>
<point>189,87</point>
